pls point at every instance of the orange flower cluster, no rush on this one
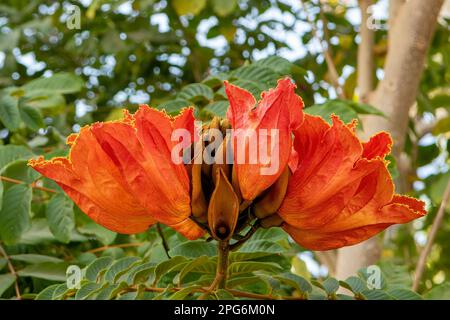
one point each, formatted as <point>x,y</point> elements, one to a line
<point>329,189</point>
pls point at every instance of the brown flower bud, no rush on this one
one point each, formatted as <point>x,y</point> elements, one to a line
<point>223,209</point>
<point>271,201</point>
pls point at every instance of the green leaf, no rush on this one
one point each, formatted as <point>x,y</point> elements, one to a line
<point>254,72</point>
<point>440,292</point>
<point>442,126</point>
<point>59,83</point>
<point>47,293</point>
<point>141,273</point>
<point>94,269</point>
<point>1,195</point>
<point>15,213</point>
<point>3,263</point>
<point>251,86</point>
<point>337,107</point>
<point>60,217</point>
<point>189,267</point>
<point>223,7</point>
<point>195,92</point>
<point>404,294</point>
<point>165,267</point>
<point>174,106</point>
<point>183,293</point>
<point>261,246</point>
<point>34,258</point>
<point>354,284</point>
<point>109,292</point>
<point>104,235</point>
<point>271,234</point>
<point>330,285</point>
<point>237,268</point>
<point>183,7</point>
<point>295,281</point>
<point>87,290</point>
<point>223,294</point>
<point>32,117</point>
<point>9,111</point>
<point>47,271</point>
<point>277,64</point>
<point>6,281</point>
<point>120,267</point>
<point>21,171</point>
<point>49,101</point>
<point>11,153</point>
<point>218,108</point>
<point>363,108</point>
<point>250,283</point>
<point>376,294</point>
<point>194,249</point>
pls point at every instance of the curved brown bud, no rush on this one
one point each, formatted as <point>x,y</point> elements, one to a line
<point>223,209</point>
<point>199,206</point>
<point>272,200</point>
<point>271,221</point>
<point>221,161</point>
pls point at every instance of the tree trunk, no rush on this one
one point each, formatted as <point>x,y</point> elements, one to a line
<point>365,54</point>
<point>409,39</point>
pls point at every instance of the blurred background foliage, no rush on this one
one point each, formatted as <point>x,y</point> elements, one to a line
<point>170,54</point>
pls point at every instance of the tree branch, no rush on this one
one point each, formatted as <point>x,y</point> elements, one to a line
<point>13,272</point>
<point>32,185</point>
<point>163,239</point>
<point>434,228</point>
<point>366,66</point>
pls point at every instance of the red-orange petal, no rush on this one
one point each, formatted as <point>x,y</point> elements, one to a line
<point>325,176</point>
<point>379,145</point>
<point>279,109</point>
<point>121,173</point>
<point>341,192</point>
<point>91,179</point>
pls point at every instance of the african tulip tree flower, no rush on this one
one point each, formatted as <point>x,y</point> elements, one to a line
<point>318,182</point>
<point>341,192</point>
<point>121,175</point>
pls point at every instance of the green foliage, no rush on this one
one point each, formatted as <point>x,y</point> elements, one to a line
<point>116,57</point>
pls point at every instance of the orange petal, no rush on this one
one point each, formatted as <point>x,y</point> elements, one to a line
<point>379,145</point>
<point>325,178</point>
<point>341,192</point>
<point>143,156</point>
<point>279,109</point>
<point>98,190</point>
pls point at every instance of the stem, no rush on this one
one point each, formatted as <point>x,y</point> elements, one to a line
<point>220,280</point>
<point>434,228</point>
<point>122,245</point>
<point>163,239</point>
<point>222,264</point>
<point>12,270</point>
<point>32,185</point>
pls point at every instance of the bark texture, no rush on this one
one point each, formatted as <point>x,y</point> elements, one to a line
<point>409,40</point>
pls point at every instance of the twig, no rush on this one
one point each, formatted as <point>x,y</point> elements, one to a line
<point>334,76</point>
<point>163,239</point>
<point>123,245</point>
<point>434,228</point>
<point>220,279</point>
<point>13,272</point>
<point>32,185</point>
